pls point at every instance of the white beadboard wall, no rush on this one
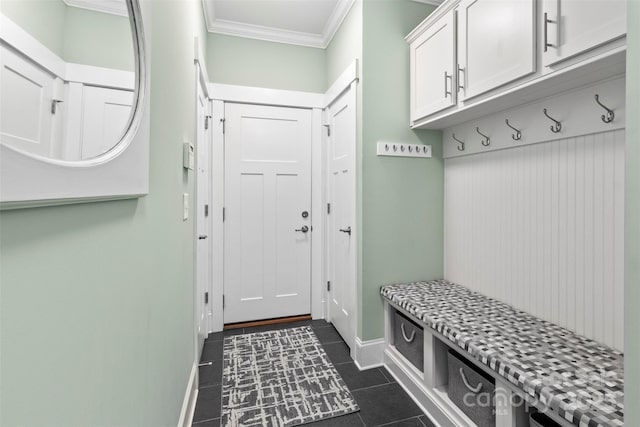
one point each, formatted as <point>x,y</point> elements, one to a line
<point>541,227</point>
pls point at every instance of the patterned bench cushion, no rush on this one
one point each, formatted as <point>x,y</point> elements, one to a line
<point>580,379</point>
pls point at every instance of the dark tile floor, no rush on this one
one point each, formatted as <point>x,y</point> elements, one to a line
<point>381,399</point>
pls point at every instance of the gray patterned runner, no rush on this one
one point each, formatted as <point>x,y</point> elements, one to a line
<point>280,378</point>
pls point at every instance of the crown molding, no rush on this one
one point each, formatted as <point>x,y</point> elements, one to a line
<point>270,34</point>
<point>431,2</point>
<point>259,32</point>
<point>335,20</point>
<point>113,7</point>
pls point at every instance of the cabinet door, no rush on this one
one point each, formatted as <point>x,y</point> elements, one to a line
<point>432,58</point>
<point>575,26</point>
<point>496,44</point>
<point>26,95</point>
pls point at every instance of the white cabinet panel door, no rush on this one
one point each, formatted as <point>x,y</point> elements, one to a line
<point>267,266</point>
<point>496,43</point>
<point>105,116</point>
<point>26,92</point>
<point>577,25</point>
<point>341,224</point>
<point>432,62</point>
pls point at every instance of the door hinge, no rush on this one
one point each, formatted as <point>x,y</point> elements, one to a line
<point>222,301</point>
<point>224,214</point>
<point>206,210</point>
<point>206,122</point>
<point>223,121</point>
<point>328,129</point>
<point>206,297</point>
<point>328,208</point>
<point>328,286</point>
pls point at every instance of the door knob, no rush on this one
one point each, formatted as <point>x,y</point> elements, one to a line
<point>202,237</point>
<point>304,229</point>
<point>346,230</point>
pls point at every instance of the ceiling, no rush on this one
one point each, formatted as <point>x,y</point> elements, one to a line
<point>302,22</point>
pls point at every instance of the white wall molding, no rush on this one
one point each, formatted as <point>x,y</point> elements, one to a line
<point>369,354</point>
<point>99,76</point>
<point>263,96</point>
<point>20,40</point>
<point>113,7</point>
<point>190,398</point>
<point>541,227</point>
<point>335,20</point>
<point>342,83</point>
<point>431,2</point>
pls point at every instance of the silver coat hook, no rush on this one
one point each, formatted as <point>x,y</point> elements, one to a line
<point>486,141</point>
<point>608,118</point>
<point>557,126</point>
<point>516,136</point>
<point>460,146</point>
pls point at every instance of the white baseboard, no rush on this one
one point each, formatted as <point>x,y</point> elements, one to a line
<point>190,397</point>
<point>369,354</point>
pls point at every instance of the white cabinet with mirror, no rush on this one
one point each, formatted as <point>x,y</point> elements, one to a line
<point>73,130</point>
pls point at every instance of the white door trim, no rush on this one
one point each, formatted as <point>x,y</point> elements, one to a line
<point>263,96</point>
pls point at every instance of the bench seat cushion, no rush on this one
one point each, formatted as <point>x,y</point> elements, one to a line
<point>579,378</point>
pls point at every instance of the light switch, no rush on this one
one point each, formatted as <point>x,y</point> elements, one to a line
<point>185,206</point>
<point>188,155</point>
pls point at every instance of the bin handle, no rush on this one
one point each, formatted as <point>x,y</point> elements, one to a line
<point>475,389</point>
<point>404,334</point>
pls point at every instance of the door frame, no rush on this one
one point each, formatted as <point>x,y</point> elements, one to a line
<point>201,81</point>
<point>346,82</point>
<point>317,102</point>
<point>223,93</point>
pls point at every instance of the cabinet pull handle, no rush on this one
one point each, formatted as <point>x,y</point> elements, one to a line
<point>460,80</point>
<point>447,76</point>
<point>546,31</point>
<point>475,389</point>
<point>404,334</point>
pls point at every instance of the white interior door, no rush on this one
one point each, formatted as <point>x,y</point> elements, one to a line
<point>26,93</point>
<point>267,242</point>
<point>341,225</point>
<point>203,201</point>
<point>105,117</point>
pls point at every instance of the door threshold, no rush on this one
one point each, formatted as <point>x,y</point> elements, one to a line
<point>264,322</point>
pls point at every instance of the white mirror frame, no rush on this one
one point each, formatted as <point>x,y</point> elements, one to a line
<point>28,180</point>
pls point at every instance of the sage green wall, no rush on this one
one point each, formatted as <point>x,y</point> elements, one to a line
<point>43,19</point>
<point>402,199</point>
<point>75,35</point>
<point>99,39</point>
<point>250,62</point>
<point>632,225</point>
<point>96,305</point>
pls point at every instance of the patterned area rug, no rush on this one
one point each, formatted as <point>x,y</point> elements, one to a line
<point>280,378</point>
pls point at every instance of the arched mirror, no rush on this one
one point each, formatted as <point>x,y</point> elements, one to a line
<point>73,101</point>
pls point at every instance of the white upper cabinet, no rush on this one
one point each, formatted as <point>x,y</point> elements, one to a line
<point>497,54</point>
<point>432,59</point>
<point>496,44</point>
<point>575,26</point>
